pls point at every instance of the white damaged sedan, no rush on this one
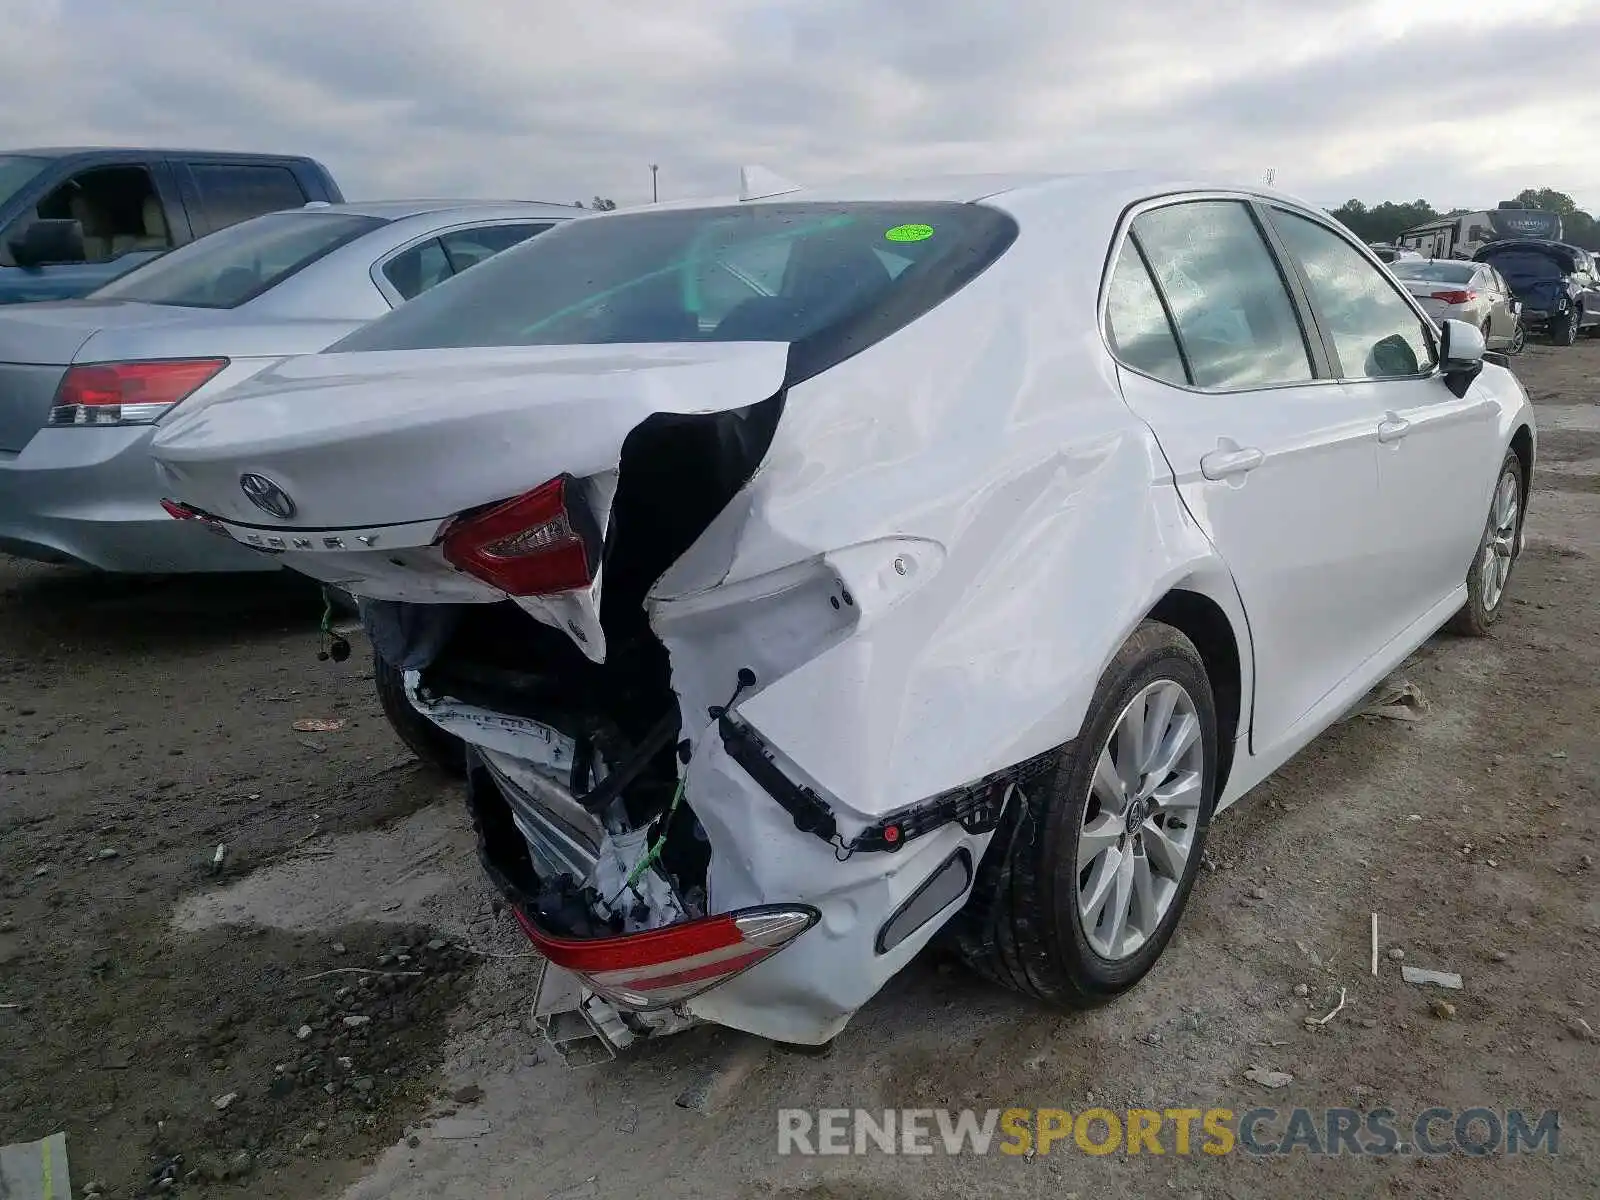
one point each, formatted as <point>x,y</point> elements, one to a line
<point>811,574</point>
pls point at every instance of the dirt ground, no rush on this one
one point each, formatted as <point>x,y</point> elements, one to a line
<point>142,724</point>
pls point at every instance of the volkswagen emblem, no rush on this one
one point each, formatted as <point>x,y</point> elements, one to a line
<point>267,496</point>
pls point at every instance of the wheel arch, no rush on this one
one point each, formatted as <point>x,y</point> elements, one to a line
<point>1205,623</point>
<point>1522,447</point>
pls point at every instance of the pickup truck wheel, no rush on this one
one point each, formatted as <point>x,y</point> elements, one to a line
<point>1087,875</point>
<point>441,751</point>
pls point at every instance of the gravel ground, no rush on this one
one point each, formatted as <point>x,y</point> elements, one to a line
<point>143,723</point>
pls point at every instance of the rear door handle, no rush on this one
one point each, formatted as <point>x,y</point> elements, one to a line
<point>1393,427</point>
<point>1230,459</point>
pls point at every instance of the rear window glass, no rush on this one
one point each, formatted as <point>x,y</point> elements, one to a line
<point>1525,265</point>
<point>831,278</point>
<point>1436,272</point>
<point>237,264</point>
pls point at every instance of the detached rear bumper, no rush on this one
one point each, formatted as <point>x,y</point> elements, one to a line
<point>867,915</point>
<point>92,497</point>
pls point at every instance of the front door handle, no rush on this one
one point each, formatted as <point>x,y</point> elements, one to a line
<point>1393,427</point>
<point>1229,459</point>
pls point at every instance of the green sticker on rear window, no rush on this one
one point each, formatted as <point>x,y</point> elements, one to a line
<point>909,233</point>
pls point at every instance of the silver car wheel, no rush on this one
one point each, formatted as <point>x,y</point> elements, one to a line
<point>1140,819</point>
<point>1500,544</point>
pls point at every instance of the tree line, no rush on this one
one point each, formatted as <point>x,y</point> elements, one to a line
<point>1385,222</point>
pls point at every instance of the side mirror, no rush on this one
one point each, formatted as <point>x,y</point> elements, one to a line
<point>46,242</point>
<point>1461,351</point>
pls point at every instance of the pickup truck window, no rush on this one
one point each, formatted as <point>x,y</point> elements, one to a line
<point>117,207</point>
<point>229,268</point>
<point>16,172</point>
<point>234,192</point>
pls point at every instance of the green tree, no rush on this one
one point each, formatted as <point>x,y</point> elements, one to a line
<point>1383,222</point>
<point>1545,199</point>
<point>600,204</point>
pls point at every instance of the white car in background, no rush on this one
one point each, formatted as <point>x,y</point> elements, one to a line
<point>812,574</point>
<point>1452,290</point>
<point>1388,252</point>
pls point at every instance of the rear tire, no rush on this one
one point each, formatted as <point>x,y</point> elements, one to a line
<point>1564,329</point>
<point>440,751</point>
<point>1025,926</point>
<point>1489,577</point>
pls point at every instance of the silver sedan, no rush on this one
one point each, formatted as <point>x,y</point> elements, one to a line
<point>85,383</point>
<point>1452,290</point>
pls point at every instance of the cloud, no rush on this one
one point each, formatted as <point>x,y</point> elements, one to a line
<point>494,97</point>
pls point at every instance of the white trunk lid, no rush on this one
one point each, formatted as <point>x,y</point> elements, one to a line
<point>376,451</point>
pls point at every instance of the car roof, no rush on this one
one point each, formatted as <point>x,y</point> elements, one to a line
<point>399,210</point>
<point>160,151</point>
<point>1120,186</point>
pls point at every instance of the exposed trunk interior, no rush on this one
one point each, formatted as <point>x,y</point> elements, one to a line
<point>676,474</point>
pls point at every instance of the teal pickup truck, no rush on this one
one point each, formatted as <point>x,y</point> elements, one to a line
<point>74,219</point>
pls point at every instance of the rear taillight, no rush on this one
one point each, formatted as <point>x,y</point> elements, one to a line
<point>128,393</point>
<point>666,966</point>
<point>180,511</point>
<point>1456,297</point>
<point>544,542</point>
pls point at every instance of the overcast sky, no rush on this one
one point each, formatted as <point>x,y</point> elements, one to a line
<point>1453,101</point>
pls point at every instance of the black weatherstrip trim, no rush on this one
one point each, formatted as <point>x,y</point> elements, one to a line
<point>1313,329</point>
<point>1161,299</point>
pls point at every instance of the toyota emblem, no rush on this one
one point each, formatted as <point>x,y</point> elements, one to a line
<point>267,496</point>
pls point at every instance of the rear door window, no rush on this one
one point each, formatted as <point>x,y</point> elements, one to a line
<point>234,192</point>
<point>1233,313</point>
<point>414,271</point>
<point>469,247</point>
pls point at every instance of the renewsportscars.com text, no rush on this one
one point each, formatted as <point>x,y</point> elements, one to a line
<point>1176,1131</point>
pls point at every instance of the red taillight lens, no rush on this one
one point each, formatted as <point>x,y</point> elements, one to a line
<point>180,511</point>
<point>1456,297</point>
<point>665,966</point>
<point>544,542</point>
<point>128,393</point>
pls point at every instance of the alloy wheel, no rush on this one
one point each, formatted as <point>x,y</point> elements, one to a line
<point>1140,819</point>
<point>1500,544</point>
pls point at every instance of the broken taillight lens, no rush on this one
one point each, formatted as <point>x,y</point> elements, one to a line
<point>179,511</point>
<point>665,966</point>
<point>540,543</point>
<point>128,393</point>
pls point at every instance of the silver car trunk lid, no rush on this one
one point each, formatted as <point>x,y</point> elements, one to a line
<point>39,341</point>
